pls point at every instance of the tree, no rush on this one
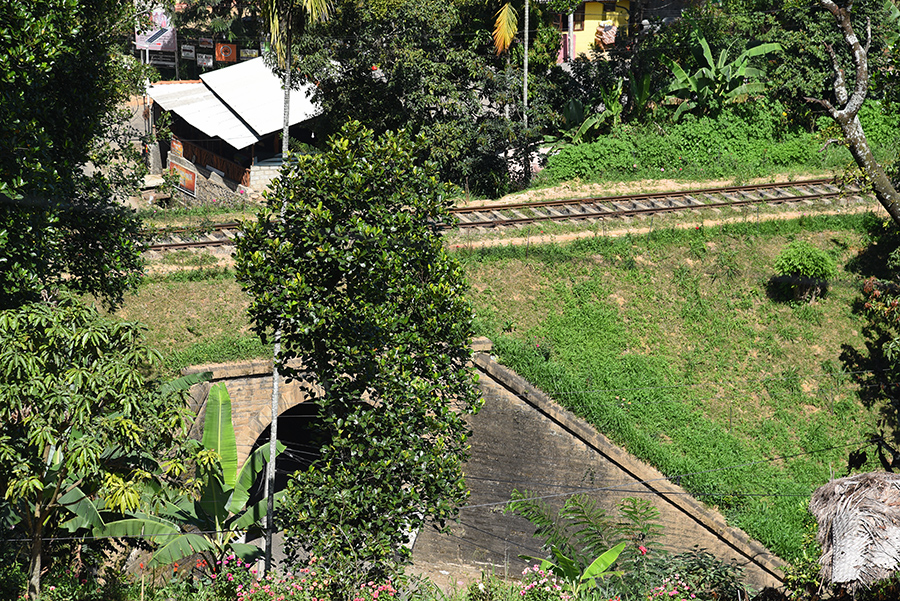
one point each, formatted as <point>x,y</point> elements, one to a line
<point>347,262</point>
<point>279,15</point>
<point>64,158</point>
<point>846,113</point>
<point>419,66</point>
<point>81,422</point>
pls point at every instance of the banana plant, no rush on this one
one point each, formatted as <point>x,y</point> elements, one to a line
<point>567,569</point>
<point>212,523</point>
<point>893,21</point>
<point>720,81</point>
<point>583,128</point>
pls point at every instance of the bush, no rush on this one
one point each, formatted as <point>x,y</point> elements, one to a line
<point>804,270</point>
<point>604,158</point>
<point>746,140</point>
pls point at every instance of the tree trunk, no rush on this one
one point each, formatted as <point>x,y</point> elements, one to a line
<point>37,542</point>
<point>859,147</point>
<point>848,116</point>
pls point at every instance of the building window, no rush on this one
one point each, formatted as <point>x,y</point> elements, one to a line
<point>562,21</point>
<point>609,7</point>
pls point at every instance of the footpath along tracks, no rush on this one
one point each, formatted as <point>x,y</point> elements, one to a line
<point>583,210</point>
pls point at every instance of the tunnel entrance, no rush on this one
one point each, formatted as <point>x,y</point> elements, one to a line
<point>299,429</point>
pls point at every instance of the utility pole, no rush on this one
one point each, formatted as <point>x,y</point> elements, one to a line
<point>525,76</point>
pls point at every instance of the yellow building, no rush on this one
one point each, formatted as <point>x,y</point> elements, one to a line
<point>596,26</point>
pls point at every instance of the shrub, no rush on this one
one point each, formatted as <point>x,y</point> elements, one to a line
<point>805,270</point>
<point>606,157</point>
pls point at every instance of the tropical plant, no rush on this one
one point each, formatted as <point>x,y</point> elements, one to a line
<point>347,262</point>
<point>581,529</point>
<point>584,128</point>
<point>84,432</point>
<point>212,521</point>
<point>577,581</point>
<point>720,81</point>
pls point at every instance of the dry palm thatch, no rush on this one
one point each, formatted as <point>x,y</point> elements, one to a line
<point>859,528</point>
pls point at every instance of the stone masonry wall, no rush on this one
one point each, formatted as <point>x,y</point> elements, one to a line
<point>521,440</point>
<point>250,388</point>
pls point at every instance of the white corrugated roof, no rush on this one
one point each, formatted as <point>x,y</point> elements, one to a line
<point>255,93</point>
<point>239,104</point>
<point>197,105</point>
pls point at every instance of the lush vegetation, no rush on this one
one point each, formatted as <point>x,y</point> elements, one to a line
<point>349,277</point>
<point>681,345</point>
<point>673,345</point>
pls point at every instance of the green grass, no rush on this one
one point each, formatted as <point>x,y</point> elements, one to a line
<point>670,344</point>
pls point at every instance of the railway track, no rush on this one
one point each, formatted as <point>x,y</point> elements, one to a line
<point>614,207</point>
<point>220,234</point>
<point>492,217</point>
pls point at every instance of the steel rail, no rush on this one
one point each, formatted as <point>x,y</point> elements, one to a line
<point>580,209</point>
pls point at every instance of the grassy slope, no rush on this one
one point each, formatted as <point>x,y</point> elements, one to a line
<point>667,342</point>
<point>670,344</point>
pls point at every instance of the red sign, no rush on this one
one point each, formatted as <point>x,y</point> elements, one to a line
<point>226,53</point>
<point>177,147</point>
<point>187,179</point>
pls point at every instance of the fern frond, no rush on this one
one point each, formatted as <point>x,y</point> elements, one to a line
<point>547,523</point>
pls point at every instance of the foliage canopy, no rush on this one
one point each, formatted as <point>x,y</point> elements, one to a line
<point>84,431</point>
<point>64,156</point>
<point>347,261</point>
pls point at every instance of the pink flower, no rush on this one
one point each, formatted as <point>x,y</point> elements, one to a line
<point>642,549</point>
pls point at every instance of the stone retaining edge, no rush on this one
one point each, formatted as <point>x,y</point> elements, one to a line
<point>645,474</point>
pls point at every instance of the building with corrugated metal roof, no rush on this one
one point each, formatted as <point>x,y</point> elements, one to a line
<point>229,122</point>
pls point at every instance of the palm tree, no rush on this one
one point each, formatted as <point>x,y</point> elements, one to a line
<point>278,15</point>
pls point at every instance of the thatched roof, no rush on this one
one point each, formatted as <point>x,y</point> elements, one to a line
<point>859,528</point>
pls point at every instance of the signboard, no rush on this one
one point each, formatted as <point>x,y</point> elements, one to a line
<point>187,51</point>
<point>248,53</point>
<point>205,60</point>
<point>226,53</point>
<point>187,179</point>
<point>161,37</point>
<point>206,42</point>
<point>163,59</point>
<point>177,147</point>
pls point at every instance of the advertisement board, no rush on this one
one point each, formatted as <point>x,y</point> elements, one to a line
<point>205,60</point>
<point>226,53</point>
<point>187,51</point>
<point>187,179</point>
<point>160,37</point>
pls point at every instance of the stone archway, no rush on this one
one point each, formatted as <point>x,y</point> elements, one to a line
<point>250,388</point>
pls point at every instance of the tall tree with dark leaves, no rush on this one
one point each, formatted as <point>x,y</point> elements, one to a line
<point>65,159</point>
<point>347,263</point>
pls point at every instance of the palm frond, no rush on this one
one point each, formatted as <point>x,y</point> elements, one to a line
<point>505,27</point>
<point>547,524</point>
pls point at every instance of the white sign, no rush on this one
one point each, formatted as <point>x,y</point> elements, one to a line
<point>187,51</point>
<point>205,60</point>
